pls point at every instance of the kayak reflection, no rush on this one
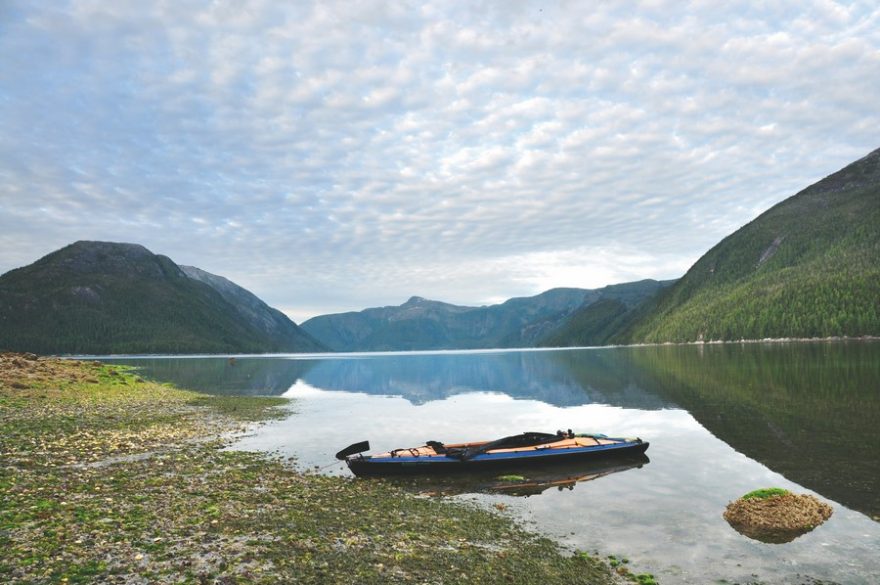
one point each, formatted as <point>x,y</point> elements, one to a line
<point>525,482</point>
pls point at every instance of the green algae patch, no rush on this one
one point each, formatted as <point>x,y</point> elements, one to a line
<point>765,493</point>
<point>106,477</point>
<point>510,478</point>
<point>244,408</point>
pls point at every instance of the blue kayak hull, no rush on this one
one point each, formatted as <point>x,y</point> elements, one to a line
<point>408,465</point>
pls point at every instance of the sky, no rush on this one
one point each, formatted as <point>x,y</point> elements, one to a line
<point>332,156</point>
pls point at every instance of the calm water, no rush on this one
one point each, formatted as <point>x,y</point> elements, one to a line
<point>722,420</point>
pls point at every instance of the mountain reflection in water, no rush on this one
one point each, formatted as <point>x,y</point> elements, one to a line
<point>806,410</point>
<point>560,378</point>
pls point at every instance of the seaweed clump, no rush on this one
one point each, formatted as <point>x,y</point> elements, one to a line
<point>775,515</point>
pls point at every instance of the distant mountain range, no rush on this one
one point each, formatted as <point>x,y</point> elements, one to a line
<point>808,267</point>
<point>102,297</point>
<point>421,324</point>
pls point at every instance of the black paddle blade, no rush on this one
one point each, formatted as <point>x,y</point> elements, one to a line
<point>352,449</point>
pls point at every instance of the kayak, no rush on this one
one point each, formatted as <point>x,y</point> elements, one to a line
<point>514,451</point>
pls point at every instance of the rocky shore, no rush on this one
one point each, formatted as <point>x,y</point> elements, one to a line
<point>108,478</point>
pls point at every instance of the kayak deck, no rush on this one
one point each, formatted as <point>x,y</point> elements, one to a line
<point>431,450</point>
<point>435,457</point>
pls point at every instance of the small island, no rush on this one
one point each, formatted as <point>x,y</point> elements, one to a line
<point>776,515</point>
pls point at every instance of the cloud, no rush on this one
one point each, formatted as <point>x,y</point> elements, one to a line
<point>339,155</point>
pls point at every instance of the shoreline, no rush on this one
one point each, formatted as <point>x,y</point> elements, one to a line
<point>325,355</point>
<point>766,340</point>
<point>107,477</point>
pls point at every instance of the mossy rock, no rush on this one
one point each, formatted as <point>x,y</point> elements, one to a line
<point>776,516</point>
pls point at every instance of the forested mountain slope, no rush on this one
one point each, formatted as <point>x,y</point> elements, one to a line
<point>808,267</point>
<point>596,323</point>
<point>103,297</point>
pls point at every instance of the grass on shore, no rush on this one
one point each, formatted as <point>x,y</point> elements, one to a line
<point>107,478</point>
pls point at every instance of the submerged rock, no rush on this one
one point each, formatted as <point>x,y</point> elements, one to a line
<point>776,517</point>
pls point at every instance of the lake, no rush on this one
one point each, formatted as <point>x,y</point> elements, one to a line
<point>722,420</point>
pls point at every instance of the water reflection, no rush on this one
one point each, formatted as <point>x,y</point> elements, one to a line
<point>248,376</point>
<point>563,378</point>
<point>769,536</point>
<point>555,378</point>
<point>722,421</point>
<point>531,481</point>
<point>808,411</point>
<point>666,514</point>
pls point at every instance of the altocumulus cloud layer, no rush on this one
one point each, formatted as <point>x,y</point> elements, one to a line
<point>333,156</point>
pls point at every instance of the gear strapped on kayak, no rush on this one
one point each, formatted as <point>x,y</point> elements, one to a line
<point>524,448</point>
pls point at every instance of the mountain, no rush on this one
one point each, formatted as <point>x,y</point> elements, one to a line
<point>808,267</point>
<point>103,297</point>
<point>271,323</point>
<point>421,324</point>
<point>595,323</point>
